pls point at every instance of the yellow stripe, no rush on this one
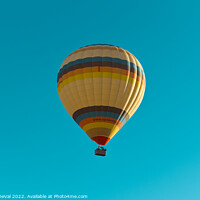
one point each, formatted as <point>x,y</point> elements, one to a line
<point>100,125</point>
<point>96,75</point>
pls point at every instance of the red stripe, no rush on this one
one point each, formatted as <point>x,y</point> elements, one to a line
<point>101,140</point>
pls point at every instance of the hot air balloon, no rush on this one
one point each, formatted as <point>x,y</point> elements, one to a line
<point>101,86</point>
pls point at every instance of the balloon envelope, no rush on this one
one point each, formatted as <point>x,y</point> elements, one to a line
<point>101,87</point>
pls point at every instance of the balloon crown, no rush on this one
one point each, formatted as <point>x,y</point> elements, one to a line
<point>99,44</point>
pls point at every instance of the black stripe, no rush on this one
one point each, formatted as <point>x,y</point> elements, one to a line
<point>101,64</point>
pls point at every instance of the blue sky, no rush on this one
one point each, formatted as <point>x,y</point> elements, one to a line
<point>155,156</point>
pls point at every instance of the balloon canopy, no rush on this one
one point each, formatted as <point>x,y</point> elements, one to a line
<point>101,86</point>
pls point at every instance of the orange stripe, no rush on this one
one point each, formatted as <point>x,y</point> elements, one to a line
<point>138,78</point>
<point>96,69</point>
<point>100,119</point>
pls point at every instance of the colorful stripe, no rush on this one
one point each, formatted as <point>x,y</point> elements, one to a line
<point>97,75</point>
<point>99,69</point>
<point>100,119</point>
<point>84,62</point>
<point>100,125</point>
<point>91,72</point>
<point>99,61</point>
<point>114,116</point>
<point>101,110</point>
